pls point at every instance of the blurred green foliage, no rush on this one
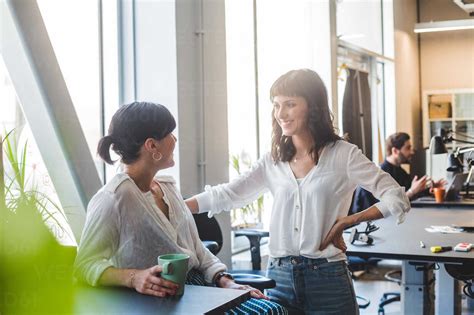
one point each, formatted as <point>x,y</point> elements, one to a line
<point>35,270</point>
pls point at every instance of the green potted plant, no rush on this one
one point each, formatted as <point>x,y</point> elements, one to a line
<point>249,216</point>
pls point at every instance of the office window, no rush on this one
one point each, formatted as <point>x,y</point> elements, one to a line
<point>87,54</point>
<point>289,35</point>
<point>360,23</point>
<point>368,45</point>
<point>73,29</point>
<point>241,96</point>
<point>36,178</point>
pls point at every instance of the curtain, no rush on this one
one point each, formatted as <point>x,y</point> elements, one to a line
<point>356,111</point>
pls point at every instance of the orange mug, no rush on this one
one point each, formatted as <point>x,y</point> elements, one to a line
<point>439,194</point>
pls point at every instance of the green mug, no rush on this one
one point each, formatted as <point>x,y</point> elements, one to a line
<point>175,269</point>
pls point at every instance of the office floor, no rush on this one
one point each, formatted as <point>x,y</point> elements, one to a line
<point>369,285</point>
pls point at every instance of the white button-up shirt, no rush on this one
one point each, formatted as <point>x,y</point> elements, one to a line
<point>126,229</point>
<point>303,214</point>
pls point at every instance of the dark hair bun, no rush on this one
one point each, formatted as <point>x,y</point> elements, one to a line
<point>131,125</point>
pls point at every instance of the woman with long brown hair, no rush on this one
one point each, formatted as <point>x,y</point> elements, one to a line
<point>312,174</point>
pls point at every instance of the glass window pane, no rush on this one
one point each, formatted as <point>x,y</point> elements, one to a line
<point>241,102</point>
<point>111,75</point>
<point>360,23</point>
<point>464,105</point>
<point>388,29</point>
<point>73,28</point>
<point>291,35</point>
<point>241,80</point>
<point>36,181</point>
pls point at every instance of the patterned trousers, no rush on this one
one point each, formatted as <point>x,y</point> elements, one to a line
<point>250,307</point>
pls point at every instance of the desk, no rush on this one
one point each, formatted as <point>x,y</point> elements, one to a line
<point>427,202</point>
<point>196,300</point>
<point>402,242</point>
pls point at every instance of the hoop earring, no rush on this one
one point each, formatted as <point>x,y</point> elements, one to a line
<point>155,158</point>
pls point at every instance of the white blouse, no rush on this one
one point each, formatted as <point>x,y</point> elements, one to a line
<point>302,215</point>
<point>126,229</point>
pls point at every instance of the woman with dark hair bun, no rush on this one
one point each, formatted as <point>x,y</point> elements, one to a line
<point>312,174</point>
<point>140,215</point>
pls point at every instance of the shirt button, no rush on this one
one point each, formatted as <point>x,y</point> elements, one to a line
<point>297,207</point>
<point>296,229</point>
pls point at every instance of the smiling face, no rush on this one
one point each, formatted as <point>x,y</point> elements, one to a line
<point>291,114</point>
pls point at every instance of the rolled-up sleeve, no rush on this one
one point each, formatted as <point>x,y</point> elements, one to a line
<point>238,193</point>
<point>99,240</point>
<point>363,172</point>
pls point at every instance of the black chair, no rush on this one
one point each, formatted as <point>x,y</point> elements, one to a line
<point>210,234</point>
<point>464,273</point>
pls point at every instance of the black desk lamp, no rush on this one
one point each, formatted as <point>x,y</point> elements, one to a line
<point>437,145</point>
<point>455,161</point>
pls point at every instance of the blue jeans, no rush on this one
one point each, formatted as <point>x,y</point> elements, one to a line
<point>312,286</point>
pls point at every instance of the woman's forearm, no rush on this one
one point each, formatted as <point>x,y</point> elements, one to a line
<point>372,213</point>
<point>192,205</point>
<point>117,277</point>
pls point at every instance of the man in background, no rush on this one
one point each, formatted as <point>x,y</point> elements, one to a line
<point>399,151</point>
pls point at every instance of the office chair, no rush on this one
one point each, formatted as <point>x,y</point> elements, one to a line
<point>390,297</point>
<point>210,234</point>
<point>464,273</point>
<point>358,264</point>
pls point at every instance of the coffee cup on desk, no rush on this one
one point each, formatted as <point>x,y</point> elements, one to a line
<point>439,193</point>
<point>175,269</point>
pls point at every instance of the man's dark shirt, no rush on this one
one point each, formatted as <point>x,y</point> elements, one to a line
<point>364,199</point>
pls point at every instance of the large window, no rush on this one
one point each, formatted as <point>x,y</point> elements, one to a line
<point>241,96</point>
<point>367,46</point>
<point>20,151</point>
<point>76,45</point>
<point>87,54</point>
<point>84,38</point>
<point>374,31</point>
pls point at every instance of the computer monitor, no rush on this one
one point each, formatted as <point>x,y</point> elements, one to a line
<point>455,186</point>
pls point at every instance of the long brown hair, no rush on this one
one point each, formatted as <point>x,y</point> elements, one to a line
<point>307,84</point>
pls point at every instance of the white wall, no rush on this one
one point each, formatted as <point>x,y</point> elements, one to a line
<point>202,101</point>
<point>447,58</point>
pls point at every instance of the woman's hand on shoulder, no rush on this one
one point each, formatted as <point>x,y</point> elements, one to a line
<point>230,284</point>
<point>148,281</point>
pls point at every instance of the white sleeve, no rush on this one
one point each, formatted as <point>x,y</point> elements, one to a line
<point>363,172</point>
<point>238,193</point>
<point>209,264</point>
<point>99,240</point>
